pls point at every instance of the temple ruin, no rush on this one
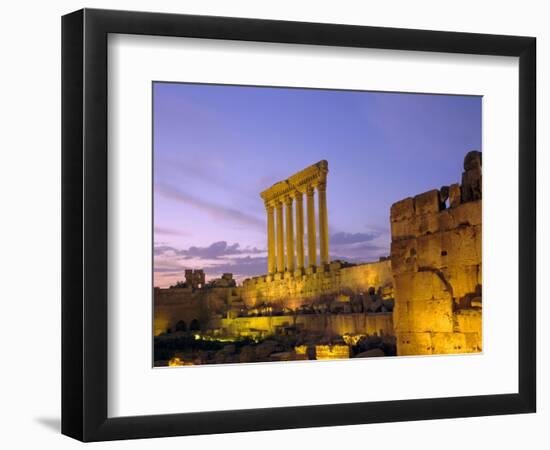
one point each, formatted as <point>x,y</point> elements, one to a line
<point>424,299</point>
<point>287,193</point>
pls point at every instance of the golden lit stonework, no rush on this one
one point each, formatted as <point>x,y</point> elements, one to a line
<point>425,298</point>
<point>284,195</point>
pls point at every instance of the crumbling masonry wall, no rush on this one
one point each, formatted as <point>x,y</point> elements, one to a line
<point>436,264</point>
<point>378,324</point>
<point>175,305</point>
<point>293,291</point>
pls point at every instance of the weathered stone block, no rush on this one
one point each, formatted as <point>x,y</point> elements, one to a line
<point>427,223</point>
<point>463,280</point>
<point>414,344</point>
<point>467,321</point>
<point>429,251</point>
<point>401,317</point>
<point>471,185</point>
<point>454,195</point>
<point>402,210</point>
<point>420,287</point>
<point>380,324</point>
<point>448,343</point>
<point>427,202</point>
<point>446,220</point>
<point>462,246</point>
<point>403,229</point>
<point>332,352</point>
<point>474,343</point>
<point>468,213</point>
<point>300,349</point>
<point>431,316</point>
<point>403,256</point>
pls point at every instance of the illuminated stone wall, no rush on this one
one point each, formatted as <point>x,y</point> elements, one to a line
<point>436,265</point>
<point>332,352</point>
<point>295,290</point>
<point>379,324</point>
<point>186,304</point>
<point>209,304</point>
<point>434,275</point>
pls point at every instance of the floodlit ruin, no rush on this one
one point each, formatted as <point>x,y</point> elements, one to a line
<point>425,298</point>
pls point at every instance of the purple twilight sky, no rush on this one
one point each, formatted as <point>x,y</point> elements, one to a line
<point>217,147</point>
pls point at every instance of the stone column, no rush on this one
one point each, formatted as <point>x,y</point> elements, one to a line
<point>299,230</point>
<point>271,266</point>
<point>323,223</point>
<point>289,235</point>
<point>280,239</point>
<point>311,241</point>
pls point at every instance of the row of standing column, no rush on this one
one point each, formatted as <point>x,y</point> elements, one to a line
<point>280,227</point>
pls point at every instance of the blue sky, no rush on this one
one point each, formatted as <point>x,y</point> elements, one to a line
<point>217,147</point>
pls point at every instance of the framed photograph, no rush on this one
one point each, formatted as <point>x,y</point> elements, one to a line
<point>272,224</point>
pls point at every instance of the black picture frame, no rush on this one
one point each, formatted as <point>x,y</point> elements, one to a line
<point>84,224</point>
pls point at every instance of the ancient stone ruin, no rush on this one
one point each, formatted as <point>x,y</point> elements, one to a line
<point>436,267</point>
<point>195,279</point>
<point>423,299</point>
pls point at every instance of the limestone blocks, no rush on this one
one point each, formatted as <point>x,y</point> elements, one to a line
<point>194,279</point>
<point>471,177</point>
<point>439,210</point>
<point>303,290</point>
<point>436,265</point>
<point>332,352</point>
<point>455,196</point>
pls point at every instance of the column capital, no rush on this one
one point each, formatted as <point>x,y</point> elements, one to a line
<point>321,186</point>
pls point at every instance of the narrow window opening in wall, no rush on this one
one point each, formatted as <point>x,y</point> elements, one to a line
<point>444,253</point>
<point>195,325</point>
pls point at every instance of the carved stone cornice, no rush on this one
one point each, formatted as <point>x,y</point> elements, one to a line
<point>311,176</point>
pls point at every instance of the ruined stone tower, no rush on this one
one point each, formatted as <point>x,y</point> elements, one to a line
<point>436,266</point>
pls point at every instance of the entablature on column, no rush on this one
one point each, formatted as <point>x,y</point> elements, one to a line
<point>309,177</point>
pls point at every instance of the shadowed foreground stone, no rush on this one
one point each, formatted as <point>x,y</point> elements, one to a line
<point>375,352</point>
